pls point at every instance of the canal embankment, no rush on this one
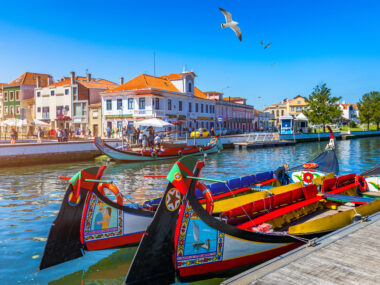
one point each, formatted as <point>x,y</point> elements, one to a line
<point>346,256</point>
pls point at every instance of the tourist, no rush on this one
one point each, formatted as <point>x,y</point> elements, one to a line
<point>144,143</point>
<point>212,132</point>
<point>13,136</point>
<point>157,140</point>
<point>39,135</point>
<point>108,132</point>
<point>59,135</point>
<point>282,175</point>
<point>141,137</point>
<point>151,137</point>
<point>88,132</point>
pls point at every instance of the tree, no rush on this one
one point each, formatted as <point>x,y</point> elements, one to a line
<point>322,107</point>
<point>369,108</point>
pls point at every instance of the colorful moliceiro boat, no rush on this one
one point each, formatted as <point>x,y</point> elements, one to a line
<point>151,155</point>
<point>79,225</point>
<point>188,242</point>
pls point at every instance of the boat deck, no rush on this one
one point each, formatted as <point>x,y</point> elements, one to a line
<point>347,256</point>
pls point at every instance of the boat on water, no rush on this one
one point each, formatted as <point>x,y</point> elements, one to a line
<point>129,155</point>
<point>190,243</point>
<point>79,225</point>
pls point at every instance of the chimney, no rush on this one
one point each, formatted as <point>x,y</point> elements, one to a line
<point>88,77</point>
<point>121,80</point>
<point>38,82</point>
<point>49,81</point>
<point>72,73</point>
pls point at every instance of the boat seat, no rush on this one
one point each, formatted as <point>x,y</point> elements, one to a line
<point>260,177</point>
<point>346,179</point>
<point>349,199</point>
<point>309,191</point>
<point>329,184</point>
<point>218,188</point>
<point>234,183</point>
<point>279,212</point>
<point>245,181</point>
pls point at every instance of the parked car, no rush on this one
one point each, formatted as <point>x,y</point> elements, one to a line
<point>205,133</point>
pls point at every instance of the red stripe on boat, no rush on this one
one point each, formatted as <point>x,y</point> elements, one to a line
<point>114,242</point>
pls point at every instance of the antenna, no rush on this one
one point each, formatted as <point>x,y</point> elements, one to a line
<point>154,63</point>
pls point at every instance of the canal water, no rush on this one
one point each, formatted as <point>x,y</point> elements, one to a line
<point>30,198</point>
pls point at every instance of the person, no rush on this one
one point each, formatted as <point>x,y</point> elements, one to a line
<point>144,142</point>
<point>89,132</point>
<point>200,132</point>
<point>151,138</point>
<point>282,175</point>
<point>141,137</point>
<point>108,132</point>
<point>13,136</point>
<point>213,132</point>
<point>106,218</point>
<point>39,135</point>
<point>99,218</point>
<point>59,135</point>
<point>65,135</point>
<point>157,140</point>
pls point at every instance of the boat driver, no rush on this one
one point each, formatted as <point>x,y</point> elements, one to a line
<point>282,175</point>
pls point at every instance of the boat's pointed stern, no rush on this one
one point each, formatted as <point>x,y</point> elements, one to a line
<point>153,262</point>
<point>64,241</point>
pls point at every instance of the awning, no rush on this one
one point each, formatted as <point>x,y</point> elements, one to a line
<point>154,123</point>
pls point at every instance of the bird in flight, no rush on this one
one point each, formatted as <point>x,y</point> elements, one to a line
<point>267,46</point>
<point>230,23</point>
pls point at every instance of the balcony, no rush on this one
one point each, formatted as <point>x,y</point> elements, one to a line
<point>148,113</point>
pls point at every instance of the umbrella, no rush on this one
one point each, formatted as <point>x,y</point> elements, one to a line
<point>15,122</point>
<point>40,123</point>
<point>154,123</point>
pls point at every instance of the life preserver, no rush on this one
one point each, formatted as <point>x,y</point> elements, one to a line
<point>153,154</point>
<point>310,165</point>
<point>113,189</point>
<point>179,153</point>
<point>208,196</point>
<point>213,140</point>
<point>359,179</point>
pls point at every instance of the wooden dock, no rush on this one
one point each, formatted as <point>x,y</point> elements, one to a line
<point>245,145</point>
<point>348,256</point>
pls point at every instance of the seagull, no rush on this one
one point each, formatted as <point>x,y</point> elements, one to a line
<point>267,46</point>
<point>230,23</point>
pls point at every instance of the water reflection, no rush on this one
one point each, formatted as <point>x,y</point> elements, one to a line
<point>30,198</point>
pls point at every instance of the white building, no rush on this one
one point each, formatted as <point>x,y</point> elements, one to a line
<point>350,112</point>
<point>173,98</point>
<point>64,104</point>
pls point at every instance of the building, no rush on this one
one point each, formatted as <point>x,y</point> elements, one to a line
<point>263,121</point>
<point>235,112</point>
<point>1,99</point>
<point>293,107</point>
<point>350,112</point>
<point>64,104</point>
<point>173,98</point>
<point>95,118</point>
<point>20,89</point>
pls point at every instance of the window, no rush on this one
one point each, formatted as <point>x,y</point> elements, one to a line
<point>6,97</point>
<point>12,110</point>
<point>298,102</point>
<point>109,105</point>
<point>75,93</point>
<point>292,108</point>
<point>201,108</point>
<point>196,107</point>
<point>179,105</point>
<point>18,110</point>
<point>278,113</point>
<point>5,110</point>
<point>142,103</point>
<point>206,108</point>
<point>52,93</point>
<point>66,91</point>
<point>67,108</point>
<point>190,107</point>
<point>95,115</point>
<point>169,104</point>
<point>59,110</point>
<point>189,87</point>
<point>119,104</point>
<point>77,109</point>
<point>157,103</point>
<point>282,112</point>
<point>298,109</point>
<point>11,96</point>
<point>39,109</point>
<point>38,94</point>
<point>84,109</point>
<point>18,95</point>
<point>130,104</point>
<point>45,112</point>
<point>119,125</point>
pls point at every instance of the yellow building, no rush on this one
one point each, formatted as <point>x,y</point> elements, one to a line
<point>95,119</point>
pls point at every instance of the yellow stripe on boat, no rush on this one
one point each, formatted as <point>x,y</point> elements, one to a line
<point>319,180</point>
<point>335,221</point>
<point>237,201</point>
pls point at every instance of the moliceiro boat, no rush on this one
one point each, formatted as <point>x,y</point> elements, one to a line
<point>128,155</point>
<point>188,242</point>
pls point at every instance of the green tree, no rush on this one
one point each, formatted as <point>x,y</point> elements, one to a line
<point>322,107</point>
<point>375,106</point>
<point>367,108</point>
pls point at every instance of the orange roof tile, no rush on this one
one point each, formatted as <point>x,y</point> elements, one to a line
<point>175,76</point>
<point>94,83</point>
<point>232,99</point>
<point>355,106</point>
<point>199,93</point>
<point>145,81</point>
<point>345,106</point>
<point>30,78</point>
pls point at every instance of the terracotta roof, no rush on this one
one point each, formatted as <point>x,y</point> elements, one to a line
<point>232,99</point>
<point>145,81</point>
<point>345,106</point>
<point>95,104</point>
<point>30,78</point>
<point>94,83</point>
<point>175,76</point>
<point>355,106</point>
<point>213,92</point>
<point>199,93</point>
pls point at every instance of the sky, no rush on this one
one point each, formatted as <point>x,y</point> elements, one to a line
<point>333,42</point>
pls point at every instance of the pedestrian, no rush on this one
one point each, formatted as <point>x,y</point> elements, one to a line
<point>39,135</point>
<point>151,137</point>
<point>59,135</point>
<point>108,132</point>
<point>141,137</point>
<point>13,136</point>
<point>282,175</point>
<point>65,135</point>
<point>212,132</point>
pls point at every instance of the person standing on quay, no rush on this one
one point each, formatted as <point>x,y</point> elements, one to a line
<point>13,136</point>
<point>39,135</point>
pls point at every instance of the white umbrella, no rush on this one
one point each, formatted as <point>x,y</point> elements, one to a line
<point>15,122</point>
<point>154,123</point>
<point>40,123</point>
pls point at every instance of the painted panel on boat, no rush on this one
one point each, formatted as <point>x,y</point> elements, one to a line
<point>306,176</point>
<point>197,242</point>
<point>373,183</point>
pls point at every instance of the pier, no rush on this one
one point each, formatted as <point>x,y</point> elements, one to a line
<point>346,256</point>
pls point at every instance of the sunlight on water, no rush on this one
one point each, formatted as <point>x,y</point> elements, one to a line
<point>30,198</point>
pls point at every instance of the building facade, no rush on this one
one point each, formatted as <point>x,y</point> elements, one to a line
<point>263,121</point>
<point>1,99</point>
<point>173,98</point>
<point>64,104</point>
<point>20,89</point>
<point>95,119</point>
<point>350,112</point>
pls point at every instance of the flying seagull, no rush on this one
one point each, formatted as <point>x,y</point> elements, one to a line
<point>267,46</point>
<point>230,23</point>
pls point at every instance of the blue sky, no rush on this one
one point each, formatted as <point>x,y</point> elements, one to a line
<point>336,42</point>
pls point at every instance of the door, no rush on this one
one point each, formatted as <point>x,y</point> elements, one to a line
<point>95,130</point>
